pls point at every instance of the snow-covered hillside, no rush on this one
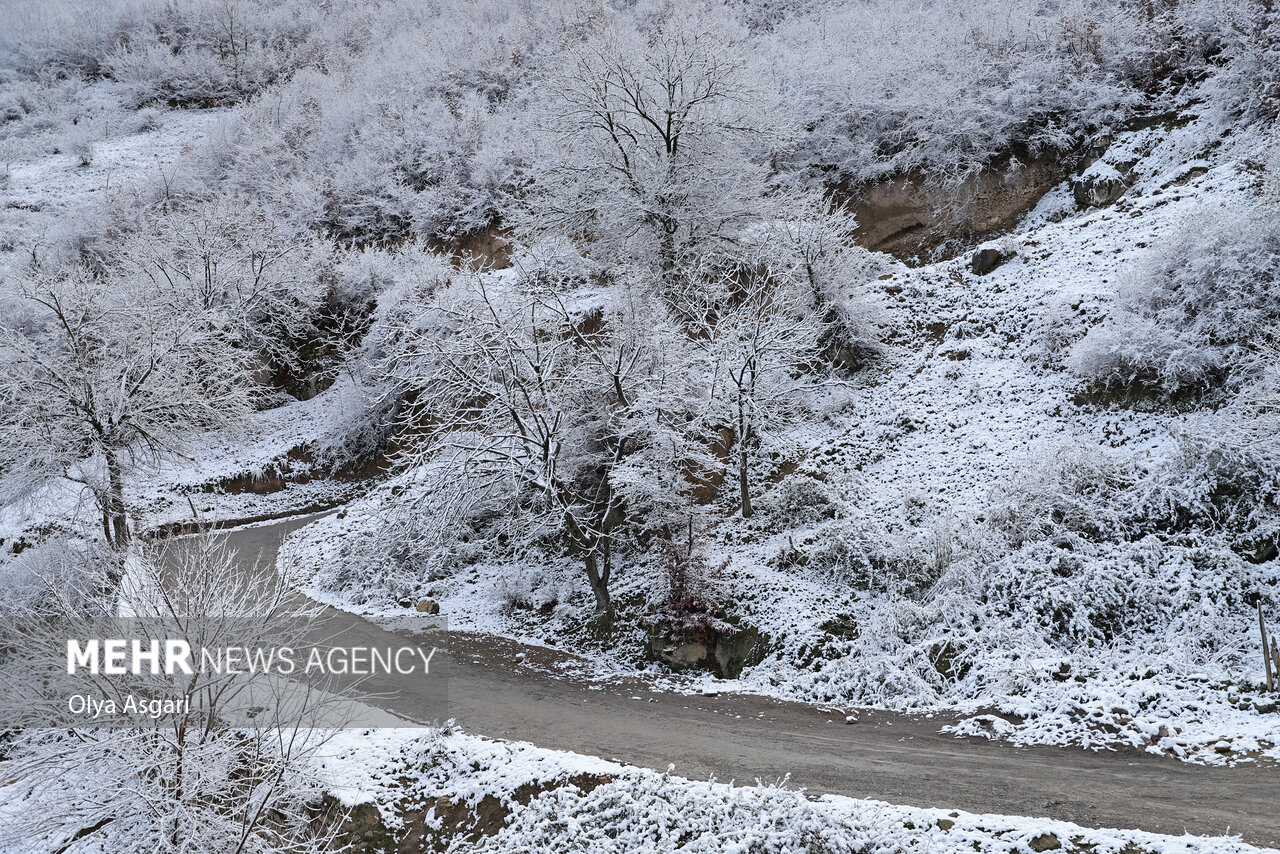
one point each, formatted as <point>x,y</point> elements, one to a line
<point>970,454</point>
<point>910,356</point>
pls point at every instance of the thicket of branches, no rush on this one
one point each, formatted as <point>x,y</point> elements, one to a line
<point>375,122</point>
<point>234,769</point>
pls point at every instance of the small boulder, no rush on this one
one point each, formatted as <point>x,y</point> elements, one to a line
<point>987,259</point>
<point>685,656</point>
<point>428,606</point>
<point>1045,842</point>
<point>1098,186</point>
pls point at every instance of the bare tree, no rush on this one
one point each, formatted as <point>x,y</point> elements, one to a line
<point>656,144</point>
<point>231,769</point>
<point>759,335</point>
<point>101,378</point>
<point>526,408</point>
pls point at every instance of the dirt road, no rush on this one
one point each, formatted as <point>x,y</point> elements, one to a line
<point>895,758</point>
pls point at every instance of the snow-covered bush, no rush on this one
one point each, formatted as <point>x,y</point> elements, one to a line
<point>1217,481</point>
<point>799,500</point>
<point>79,569</point>
<point>202,53</point>
<point>426,137</point>
<point>860,554</point>
<point>65,37</point>
<point>896,88</point>
<point>1194,310</point>
<point>816,245</point>
<point>1075,494</point>
<point>1074,598</point>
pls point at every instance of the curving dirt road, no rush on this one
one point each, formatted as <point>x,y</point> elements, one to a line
<point>896,758</point>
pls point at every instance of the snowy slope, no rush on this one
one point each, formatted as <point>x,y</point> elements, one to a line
<point>969,421</point>
<point>564,802</point>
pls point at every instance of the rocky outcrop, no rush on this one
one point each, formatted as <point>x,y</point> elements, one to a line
<point>911,215</point>
<point>1098,186</point>
<point>715,645</point>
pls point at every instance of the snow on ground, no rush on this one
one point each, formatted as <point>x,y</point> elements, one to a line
<point>972,402</point>
<point>237,474</point>
<point>265,448</point>
<point>520,798</point>
<point>47,198</point>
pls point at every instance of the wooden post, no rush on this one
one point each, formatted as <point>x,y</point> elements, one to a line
<point>1268,649</point>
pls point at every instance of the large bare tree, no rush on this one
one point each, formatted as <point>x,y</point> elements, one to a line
<point>100,377</point>
<point>656,144</point>
<point>544,415</point>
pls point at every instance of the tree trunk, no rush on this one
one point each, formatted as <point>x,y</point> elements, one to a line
<point>589,549</point>
<point>744,486</point>
<point>119,535</point>
<point>599,585</point>
<point>667,252</point>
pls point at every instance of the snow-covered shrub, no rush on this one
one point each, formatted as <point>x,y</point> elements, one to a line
<point>60,572</point>
<point>232,255</point>
<point>1136,352</point>
<point>425,137</point>
<point>1217,481</point>
<point>1055,328</point>
<point>1073,597</point>
<point>799,500</point>
<point>893,88</point>
<point>78,141</point>
<point>860,554</point>
<point>55,115</point>
<point>254,787</point>
<point>531,588</point>
<point>1193,310</point>
<point>1076,494</point>
<point>68,38</point>
<point>387,547</point>
<point>200,53</point>
<point>1245,37</point>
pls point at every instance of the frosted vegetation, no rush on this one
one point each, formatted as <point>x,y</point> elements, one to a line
<point>583,281</point>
